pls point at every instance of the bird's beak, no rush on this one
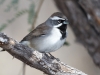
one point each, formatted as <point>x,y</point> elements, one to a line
<point>65,22</point>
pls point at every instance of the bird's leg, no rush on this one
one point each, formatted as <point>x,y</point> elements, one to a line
<point>49,55</point>
<point>52,57</point>
<point>46,55</point>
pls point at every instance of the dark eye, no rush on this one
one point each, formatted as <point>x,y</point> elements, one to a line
<point>59,21</point>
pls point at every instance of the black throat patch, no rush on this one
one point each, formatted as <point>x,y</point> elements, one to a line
<point>63,31</point>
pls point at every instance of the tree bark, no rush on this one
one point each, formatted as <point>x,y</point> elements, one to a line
<point>36,59</point>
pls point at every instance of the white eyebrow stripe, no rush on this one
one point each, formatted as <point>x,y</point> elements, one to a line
<point>56,18</point>
<point>58,25</point>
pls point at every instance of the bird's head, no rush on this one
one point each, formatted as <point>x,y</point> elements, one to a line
<point>57,20</point>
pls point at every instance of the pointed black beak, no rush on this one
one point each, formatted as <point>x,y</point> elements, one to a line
<point>65,22</point>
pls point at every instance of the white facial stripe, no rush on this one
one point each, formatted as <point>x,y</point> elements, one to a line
<point>58,25</point>
<point>56,18</point>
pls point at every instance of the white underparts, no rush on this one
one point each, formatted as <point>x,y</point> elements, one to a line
<point>58,25</point>
<point>49,43</point>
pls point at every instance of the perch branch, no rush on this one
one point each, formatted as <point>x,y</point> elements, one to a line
<point>36,59</point>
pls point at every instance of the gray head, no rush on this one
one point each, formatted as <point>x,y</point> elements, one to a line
<point>58,20</point>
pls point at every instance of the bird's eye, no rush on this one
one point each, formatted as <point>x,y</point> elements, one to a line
<point>59,21</point>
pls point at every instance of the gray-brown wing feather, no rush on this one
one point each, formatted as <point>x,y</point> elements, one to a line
<point>37,32</point>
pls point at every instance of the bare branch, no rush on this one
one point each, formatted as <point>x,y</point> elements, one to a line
<point>36,59</point>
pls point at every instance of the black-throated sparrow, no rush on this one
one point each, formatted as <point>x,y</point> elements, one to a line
<point>48,36</point>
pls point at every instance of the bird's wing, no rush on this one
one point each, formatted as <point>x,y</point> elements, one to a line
<point>37,32</point>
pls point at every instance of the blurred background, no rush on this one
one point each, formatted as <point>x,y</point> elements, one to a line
<point>82,47</point>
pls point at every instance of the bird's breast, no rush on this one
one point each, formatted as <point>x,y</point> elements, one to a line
<point>50,42</point>
<point>54,36</point>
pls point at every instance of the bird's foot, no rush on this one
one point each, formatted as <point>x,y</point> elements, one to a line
<point>52,57</point>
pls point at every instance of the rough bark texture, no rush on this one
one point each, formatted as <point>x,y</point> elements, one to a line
<point>36,59</point>
<point>84,18</point>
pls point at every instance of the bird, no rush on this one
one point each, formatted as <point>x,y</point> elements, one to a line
<point>48,36</point>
